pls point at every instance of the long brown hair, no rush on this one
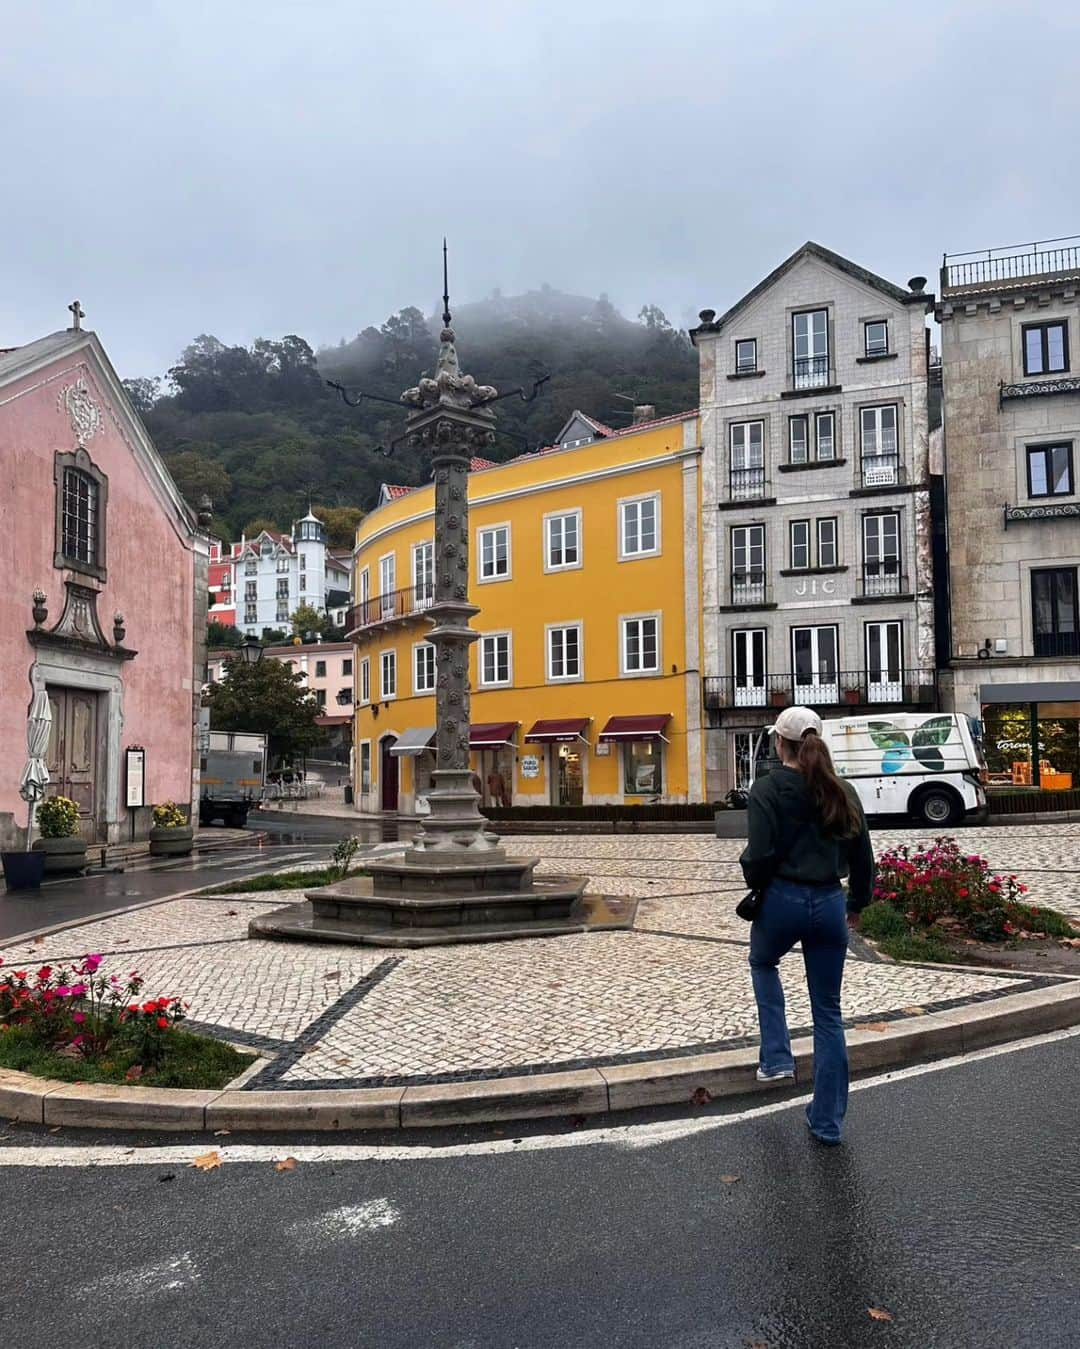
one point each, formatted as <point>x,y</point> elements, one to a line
<point>836,808</point>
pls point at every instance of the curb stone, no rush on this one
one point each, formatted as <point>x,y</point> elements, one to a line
<point>590,1091</point>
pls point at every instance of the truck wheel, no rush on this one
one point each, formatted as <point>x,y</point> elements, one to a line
<point>937,806</point>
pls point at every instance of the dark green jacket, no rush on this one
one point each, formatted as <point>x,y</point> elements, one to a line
<point>786,841</point>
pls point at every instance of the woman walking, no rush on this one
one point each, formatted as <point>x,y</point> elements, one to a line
<point>806,832</point>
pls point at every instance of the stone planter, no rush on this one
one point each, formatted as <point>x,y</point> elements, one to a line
<point>23,870</point>
<point>62,855</point>
<point>174,842</point>
<point>730,824</point>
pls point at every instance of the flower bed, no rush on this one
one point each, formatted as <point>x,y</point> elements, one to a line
<point>77,1024</point>
<point>926,899</point>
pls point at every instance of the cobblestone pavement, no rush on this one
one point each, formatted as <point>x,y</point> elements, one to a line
<point>675,985</point>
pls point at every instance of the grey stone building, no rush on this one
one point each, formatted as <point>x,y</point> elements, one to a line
<point>1010,348</point>
<point>816,566</point>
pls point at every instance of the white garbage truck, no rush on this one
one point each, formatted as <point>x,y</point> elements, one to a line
<point>928,766</point>
<point>232,777</point>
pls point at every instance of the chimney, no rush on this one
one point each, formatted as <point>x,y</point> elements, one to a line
<point>917,285</point>
<point>644,412</point>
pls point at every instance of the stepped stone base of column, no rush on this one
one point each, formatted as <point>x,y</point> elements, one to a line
<point>395,903</point>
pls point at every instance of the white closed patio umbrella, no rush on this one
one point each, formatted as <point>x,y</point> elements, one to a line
<point>35,776</point>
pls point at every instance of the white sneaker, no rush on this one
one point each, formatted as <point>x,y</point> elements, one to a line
<point>763,1076</point>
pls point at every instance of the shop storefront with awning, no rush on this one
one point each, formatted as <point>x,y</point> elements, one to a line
<point>493,747</point>
<point>565,747</point>
<point>415,748</point>
<point>413,742</point>
<point>641,743</point>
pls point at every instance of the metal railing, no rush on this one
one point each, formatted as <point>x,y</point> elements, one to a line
<point>749,587</point>
<point>882,470</point>
<point>746,484</point>
<point>822,688</point>
<point>1013,263</point>
<point>810,372</point>
<point>883,578</point>
<point>393,607</point>
<point>1061,644</point>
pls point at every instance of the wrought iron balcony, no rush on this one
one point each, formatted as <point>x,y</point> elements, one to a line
<point>397,606</point>
<point>1038,388</point>
<point>822,688</point>
<point>749,589</point>
<point>1049,510</point>
<point>992,267</point>
<point>1059,644</point>
<point>880,579</point>
<point>810,372</point>
<point>882,470</point>
<point>747,484</point>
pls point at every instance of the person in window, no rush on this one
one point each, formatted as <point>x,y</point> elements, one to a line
<point>806,832</point>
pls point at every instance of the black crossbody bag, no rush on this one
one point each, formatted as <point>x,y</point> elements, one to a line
<point>749,906</point>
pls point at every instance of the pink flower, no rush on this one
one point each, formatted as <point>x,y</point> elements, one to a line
<point>63,991</point>
<point>92,962</point>
<point>78,990</point>
<point>78,1017</point>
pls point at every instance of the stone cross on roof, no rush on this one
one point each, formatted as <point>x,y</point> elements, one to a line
<point>77,315</point>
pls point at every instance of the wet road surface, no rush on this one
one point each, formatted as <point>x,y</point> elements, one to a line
<point>954,1209</point>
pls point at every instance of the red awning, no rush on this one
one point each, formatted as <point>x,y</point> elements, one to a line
<point>558,732</point>
<point>636,728</point>
<point>492,733</point>
<point>333,721</point>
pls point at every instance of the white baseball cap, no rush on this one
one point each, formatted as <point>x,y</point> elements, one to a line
<point>794,722</point>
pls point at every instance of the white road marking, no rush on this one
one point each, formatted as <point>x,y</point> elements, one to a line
<point>342,1223</point>
<point>630,1136</point>
<point>167,1277</point>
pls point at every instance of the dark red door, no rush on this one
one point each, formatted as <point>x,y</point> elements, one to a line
<point>388,774</point>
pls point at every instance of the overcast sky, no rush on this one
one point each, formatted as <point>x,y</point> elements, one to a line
<point>255,169</point>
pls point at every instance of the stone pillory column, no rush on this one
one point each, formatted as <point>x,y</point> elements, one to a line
<point>450,420</point>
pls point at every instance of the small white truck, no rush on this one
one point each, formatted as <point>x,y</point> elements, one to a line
<point>233,774</point>
<point>927,765</point>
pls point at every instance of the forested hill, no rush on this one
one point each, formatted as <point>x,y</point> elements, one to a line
<point>258,431</point>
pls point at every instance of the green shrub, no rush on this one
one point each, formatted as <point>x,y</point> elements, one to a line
<point>880,919</point>
<point>169,816</point>
<point>58,817</point>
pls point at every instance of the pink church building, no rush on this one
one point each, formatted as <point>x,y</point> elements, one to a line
<point>104,602</point>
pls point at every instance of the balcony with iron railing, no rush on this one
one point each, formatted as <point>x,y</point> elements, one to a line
<point>810,372</point>
<point>882,580</point>
<point>995,268</point>
<point>748,484</point>
<point>822,688</point>
<point>382,611</point>
<point>1060,645</point>
<point>750,590</point>
<point>881,471</point>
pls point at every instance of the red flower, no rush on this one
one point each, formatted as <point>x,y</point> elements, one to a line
<point>20,974</point>
<point>133,1006</point>
<point>44,972</point>
<point>962,892</point>
<point>163,1023</point>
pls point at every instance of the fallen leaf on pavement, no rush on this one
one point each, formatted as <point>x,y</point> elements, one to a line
<point>207,1162</point>
<point>311,1049</point>
<point>701,1096</point>
<point>879,1314</point>
<point>56,1128</point>
<point>913,1011</point>
<point>730,1180</point>
<point>875,1025</point>
<point>334,974</point>
<point>39,941</point>
<point>220,1133</point>
<point>1073,943</point>
<point>286,1164</point>
<point>133,1073</point>
<point>231,913</point>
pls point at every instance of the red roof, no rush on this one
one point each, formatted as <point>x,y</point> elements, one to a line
<point>635,728</point>
<point>558,732</point>
<point>394,490</point>
<point>490,733</point>
<point>332,721</point>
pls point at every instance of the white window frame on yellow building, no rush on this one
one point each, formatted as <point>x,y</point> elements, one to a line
<point>420,690</point>
<point>621,507</point>
<point>508,575</point>
<point>549,520</point>
<point>383,695</point>
<point>363,683</point>
<point>422,602</point>
<point>386,593</point>
<point>624,619</point>
<point>549,630</point>
<point>365,785</point>
<point>495,683</point>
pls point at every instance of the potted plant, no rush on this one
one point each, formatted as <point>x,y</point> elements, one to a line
<point>60,841</point>
<point>172,834</point>
<point>853,695</point>
<point>779,698</point>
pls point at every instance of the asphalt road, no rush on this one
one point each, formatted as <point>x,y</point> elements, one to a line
<point>954,1208</point>
<point>67,900</point>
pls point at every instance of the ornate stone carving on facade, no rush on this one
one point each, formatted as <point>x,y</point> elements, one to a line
<point>79,629</point>
<point>84,414</point>
<point>40,611</point>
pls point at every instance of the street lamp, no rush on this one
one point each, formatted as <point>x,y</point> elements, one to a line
<point>251,651</point>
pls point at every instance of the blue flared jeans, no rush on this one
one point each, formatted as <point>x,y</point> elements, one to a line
<point>816,916</point>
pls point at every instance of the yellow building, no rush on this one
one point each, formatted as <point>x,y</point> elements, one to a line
<point>586,684</point>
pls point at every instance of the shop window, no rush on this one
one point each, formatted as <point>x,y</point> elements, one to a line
<point>643,768</point>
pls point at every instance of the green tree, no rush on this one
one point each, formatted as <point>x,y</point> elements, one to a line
<point>266,697</point>
<point>197,476</point>
<point>143,394</point>
<point>254,528</point>
<point>341,523</point>
<point>220,635</point>
<point>307,619</point>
